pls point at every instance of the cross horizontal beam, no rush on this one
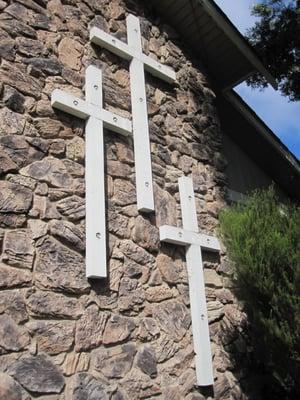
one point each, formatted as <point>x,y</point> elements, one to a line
<point>127,52</point>
<point>81,109</point>
<point>179,236</point>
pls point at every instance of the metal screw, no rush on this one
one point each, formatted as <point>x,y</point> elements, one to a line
<point>135,30</point>
<point>98,235</point>
<point>207,240</point>
<point>75,102</point>
<point>96,87</point>
<point>202,317</point>
<point>180,234</point>
<point>113,41</point>
<point>115,119</point>
<point>146,184</point>
<point>159,66</point>
<point>141,100</point>
<point>190,197</point>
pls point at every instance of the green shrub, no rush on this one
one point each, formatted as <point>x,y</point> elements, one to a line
<point>262,237</point>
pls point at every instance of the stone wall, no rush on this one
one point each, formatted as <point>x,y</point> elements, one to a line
<point>62,337</point>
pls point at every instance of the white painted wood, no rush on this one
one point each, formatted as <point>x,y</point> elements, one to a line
<point>69,104</point>
<point>194,264</point>
<point>142,151</point>
<point>93,86</point>
<point>132,51</point>
<point>116,123</point>
<point>81,109</point>
<point>188,204</point>
<point>127,52</point>
<point>94,180</point>
<point>91,110</point>
<point>96,265</point>
<point>161,71</point>
<point>194,242</point>
<point>174,235</point>
<point>111,43</point>
<point>203,357</point>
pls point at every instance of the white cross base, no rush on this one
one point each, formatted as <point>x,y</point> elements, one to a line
<point>133,52</point>
<point>194,242</point>
<point>96,117</point>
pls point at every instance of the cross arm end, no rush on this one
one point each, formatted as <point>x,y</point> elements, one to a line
<point>116,46</point>
<point>209,243</point>
<point>70,104</point>
<point>162,71</point>
<point>116,123</point>
<point>172,234</point>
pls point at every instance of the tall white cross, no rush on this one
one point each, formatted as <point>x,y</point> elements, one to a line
<point>96,117</point>
<point>194,241</point>
<point>133,52</point>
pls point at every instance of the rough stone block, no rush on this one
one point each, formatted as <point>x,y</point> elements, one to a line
<point>53,305</point>
<point>68,232</point>
<point>11,123</point>
<point>14,76</point>
<point>72,207</point>
<point>38,374</point>
<point>174,319</point>
<point>13,277</point>
<point>90,328</point>
<point>124,192</point>
<point>70,53</point>
<point>145,234</point>
<point>18,249</point>
<point>49,170</point>
<point>118,329</point>
<point>12,337</point>
<point>84,386</point>
<point>76,149</point>
<point>10,389</point>
<point>59,268</point>
<point>20,150</point>
<point>53,337</point>
<point>114,362</point>
<point>13,99</point>
<point>146,361</point>
<point>12,303</point>
<point>76,362</point>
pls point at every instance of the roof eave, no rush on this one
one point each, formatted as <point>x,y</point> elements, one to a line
<point>262,128</point>
<point>232,32</point>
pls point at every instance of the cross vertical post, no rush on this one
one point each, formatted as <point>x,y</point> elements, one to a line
<point>142,151</point>
<point>133,52</point>
<point>96,118</point>
<point>194,243</point>
<point>94,180</point>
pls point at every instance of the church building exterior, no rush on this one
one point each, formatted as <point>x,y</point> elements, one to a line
<point>121,140</point>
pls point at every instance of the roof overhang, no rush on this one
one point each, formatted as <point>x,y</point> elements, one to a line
<point>230,59</point>
<point>241,123</point>
<point>220,46</point>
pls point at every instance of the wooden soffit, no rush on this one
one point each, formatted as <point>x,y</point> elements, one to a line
<point>210,34</point>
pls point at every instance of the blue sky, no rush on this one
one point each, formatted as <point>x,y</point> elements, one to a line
<point>282,116</point>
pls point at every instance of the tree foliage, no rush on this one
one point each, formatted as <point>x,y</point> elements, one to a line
<point>263,240</point>
<point>276,37</point>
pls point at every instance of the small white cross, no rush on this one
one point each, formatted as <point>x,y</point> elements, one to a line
<point>138,61</point>
<point>96,117</point>
<point>194,241</point>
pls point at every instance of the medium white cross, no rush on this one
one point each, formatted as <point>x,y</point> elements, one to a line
<point>194,241</point>
<point>138,61</point>
<point>96,117</point>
